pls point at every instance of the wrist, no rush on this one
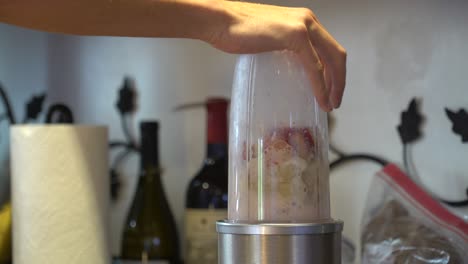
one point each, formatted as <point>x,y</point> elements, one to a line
<point>215,17</point>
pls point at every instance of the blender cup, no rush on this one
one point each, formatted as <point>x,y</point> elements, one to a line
<point>279,201</point>
<point>278,145</point>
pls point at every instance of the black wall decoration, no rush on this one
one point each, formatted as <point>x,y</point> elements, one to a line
<point>411,120</point>
<point>459,123</point>
<point>126,106</point>
<point>410,131</point>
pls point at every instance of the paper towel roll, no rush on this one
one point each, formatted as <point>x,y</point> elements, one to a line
<point>60,194</point>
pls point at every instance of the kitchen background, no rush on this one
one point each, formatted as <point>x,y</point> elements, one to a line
<point>397,50</point>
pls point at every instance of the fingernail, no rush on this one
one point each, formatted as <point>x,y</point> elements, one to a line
<point>328,107</point>
<point>331,104</point>
<point>335,103</point>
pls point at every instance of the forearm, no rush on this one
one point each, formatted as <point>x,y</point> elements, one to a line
<point>231,26</point>
<point>196,19</point>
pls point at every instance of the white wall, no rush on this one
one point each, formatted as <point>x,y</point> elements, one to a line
<point>86,73</point>
<point>23,72</point>
<point>397,50</point>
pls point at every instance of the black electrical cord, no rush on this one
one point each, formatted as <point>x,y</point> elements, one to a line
<point>409,167</point>
<point>126,129</point>
<point>121,144</point>
<point>357,157</point>
<point>335,150</point>
<point>343,157</point>
<point>59,113</point>
<point>128,147</point>
<point>456,203</point>
<point>115,181</point>
<point>6,102</point>
<point>120,158</point>
<point>405,159</point>
<point>126,106</point>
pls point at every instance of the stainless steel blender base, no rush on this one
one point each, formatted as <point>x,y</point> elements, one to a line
<point>318,243</point>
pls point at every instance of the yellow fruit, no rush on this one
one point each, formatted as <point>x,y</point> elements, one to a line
<point>5,234</point>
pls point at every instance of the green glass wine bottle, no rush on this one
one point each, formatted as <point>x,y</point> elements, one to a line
<point>150,234</point>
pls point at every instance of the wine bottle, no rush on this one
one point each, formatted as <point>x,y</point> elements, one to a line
<point>206,196</point>
<point>150,234</point>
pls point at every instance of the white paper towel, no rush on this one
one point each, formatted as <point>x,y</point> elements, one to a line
<point>60,194</point>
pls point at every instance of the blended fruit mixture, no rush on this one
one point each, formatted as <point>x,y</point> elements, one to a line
<point>287,178</point>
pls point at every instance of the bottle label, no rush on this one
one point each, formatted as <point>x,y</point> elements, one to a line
<point>201,236</point>
<point>142,262</point>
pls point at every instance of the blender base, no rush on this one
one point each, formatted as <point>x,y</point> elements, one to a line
<point>314,243</point>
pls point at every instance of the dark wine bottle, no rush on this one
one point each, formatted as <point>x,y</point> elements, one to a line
<point>150,233</point>
<point>206,196</point>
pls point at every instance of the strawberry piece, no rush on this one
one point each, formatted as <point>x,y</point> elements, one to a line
<point>277,151</point>
<point>302,142</point>
<point>284,143</point>
<point>300,139</point>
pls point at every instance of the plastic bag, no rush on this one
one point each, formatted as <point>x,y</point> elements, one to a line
<point>348,251</point>
<point>402,224</point>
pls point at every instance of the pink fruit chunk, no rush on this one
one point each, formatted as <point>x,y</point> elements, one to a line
<point>277,151</point>
<point>302,142</point>
<point>283,143</point>
<point>300,139</point>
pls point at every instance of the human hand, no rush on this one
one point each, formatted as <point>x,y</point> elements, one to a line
<point>254,28</point>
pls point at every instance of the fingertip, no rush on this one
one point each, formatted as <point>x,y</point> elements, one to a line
<point>322,95</point>
<point>315,69</point>
<point>335,101</point>
<point>336,96</point>
<point>325,105</point>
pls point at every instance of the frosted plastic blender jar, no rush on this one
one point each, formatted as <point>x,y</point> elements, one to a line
<point>279,201</point>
